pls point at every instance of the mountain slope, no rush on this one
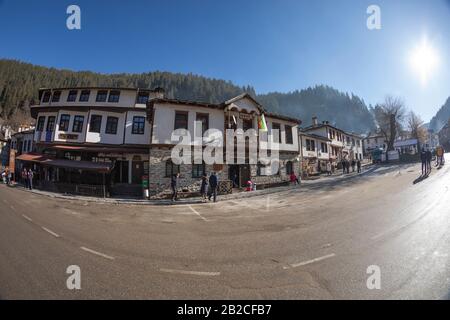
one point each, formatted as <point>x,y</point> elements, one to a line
<point>19,83</point>
<point>348,112</point>
<point>441,118</point>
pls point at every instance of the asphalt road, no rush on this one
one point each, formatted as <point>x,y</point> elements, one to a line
<point>312,243</point>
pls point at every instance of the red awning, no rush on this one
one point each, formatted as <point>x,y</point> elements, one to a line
<point>32,157</point>
<point>64,163</point>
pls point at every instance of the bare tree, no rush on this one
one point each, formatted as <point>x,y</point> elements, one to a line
<point>416,128</point>
<point>389,116</point>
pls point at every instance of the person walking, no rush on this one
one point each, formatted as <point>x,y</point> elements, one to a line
<point>329,168</point>
<point>423,159</point>
<point>343,166</point>
<point>353,165</point>
<point>213,183</point>
<point>358,165</point>
<point>204,187</point>
<point>429,158</point>
<point>24,177</point>
<point>293,178</point>
<point>30,176</point>
<point>174,186</point>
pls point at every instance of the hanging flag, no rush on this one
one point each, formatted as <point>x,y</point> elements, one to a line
<point>262,125</point>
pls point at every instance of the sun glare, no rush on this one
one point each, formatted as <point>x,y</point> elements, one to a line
<point>424,60</point>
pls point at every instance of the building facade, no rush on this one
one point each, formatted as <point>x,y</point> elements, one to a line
<point>113,141</point>
<point>341,145</point>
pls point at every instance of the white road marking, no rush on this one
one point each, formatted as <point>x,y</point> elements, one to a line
<point>304,263</point>
<point>195,273</point>
<point>12,208</point>
<point>27,217</point>
<point>51,232</point>
<point>97,253</point>
<point>197,213</point>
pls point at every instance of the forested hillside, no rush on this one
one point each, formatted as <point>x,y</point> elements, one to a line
<point>346,111</point>
<point>441,118</point>
<point>19,83</point>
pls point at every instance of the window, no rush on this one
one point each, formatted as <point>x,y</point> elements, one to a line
<point>46,97</point>
<point>56,96</point>
<point>142,97</point>
<point>171,168</point>
<point>276,136</point>
<point>324,147</point>
<point>289,168</point>
<point>111,125</point>
<point>181,120</point>
<point>289,136</point>
<point>64,122</point>
<point>204,119</point>
<point>84,96</point>
<point>72,95</point>
<point>40,123</point>
<point>51,124</point>
<point>114,96</point>
<point>101,96</point>
<point>78,123</point>
<point>198,170</point>
<point>310,145</point>
<point>96,123</point>
<point>138,125</point>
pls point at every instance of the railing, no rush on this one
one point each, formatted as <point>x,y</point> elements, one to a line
<point>78,189</point>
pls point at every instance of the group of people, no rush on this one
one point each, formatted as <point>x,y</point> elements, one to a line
<point>27,178</point>
<point>208,187</point>
<point>7,176</point>
<point>426,157</point>
<point>346,164</point>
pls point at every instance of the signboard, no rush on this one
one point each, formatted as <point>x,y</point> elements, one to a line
<point>68,136</point>
<point>12,160</point>
<point>217,167</point>
<point>245,116</point>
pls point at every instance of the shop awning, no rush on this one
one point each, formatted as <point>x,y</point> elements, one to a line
<point>102,167</point>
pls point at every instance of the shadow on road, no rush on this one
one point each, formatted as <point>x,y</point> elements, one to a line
<point>421,178</point>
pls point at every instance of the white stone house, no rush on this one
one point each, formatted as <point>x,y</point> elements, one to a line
<point>342,145</point>
<point>241,112</point>
<point>315,153</point>
<point>372,142</point>
<point>98,139</point>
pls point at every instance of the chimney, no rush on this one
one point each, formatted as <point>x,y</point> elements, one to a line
<point>314,121</point>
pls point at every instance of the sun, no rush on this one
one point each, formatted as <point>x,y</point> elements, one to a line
<point>424,60</point>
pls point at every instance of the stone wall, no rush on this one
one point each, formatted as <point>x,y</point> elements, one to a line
<point>280,178</point>
<point>159,186</point>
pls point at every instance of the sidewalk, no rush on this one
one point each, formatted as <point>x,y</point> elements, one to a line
<point>196,200</point>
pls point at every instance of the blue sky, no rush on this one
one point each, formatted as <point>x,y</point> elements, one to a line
<point>271,45</point>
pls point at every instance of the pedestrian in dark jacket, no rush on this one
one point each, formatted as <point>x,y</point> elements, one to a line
<point>358,165</point>
<point>30,179</point>
<point>213,183</point>
<point>174,186</point>
<point>353,165</point>
<point>204,187</point>
<point>423,159</point>
<point>429,157</point>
